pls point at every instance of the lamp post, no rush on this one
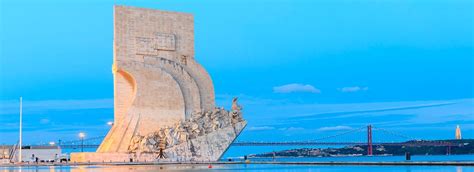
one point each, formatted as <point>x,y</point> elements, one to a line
<point>82,135</point>
<point>20,142</point>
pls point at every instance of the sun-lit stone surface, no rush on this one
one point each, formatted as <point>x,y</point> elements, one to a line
<point>163,99</point>
<point>206,148</point>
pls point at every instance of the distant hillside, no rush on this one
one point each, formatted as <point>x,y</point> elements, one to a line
<point>465,146</point>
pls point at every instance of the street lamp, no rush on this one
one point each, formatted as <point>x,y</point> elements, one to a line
<point>21,131</point>
<point>82,135</point>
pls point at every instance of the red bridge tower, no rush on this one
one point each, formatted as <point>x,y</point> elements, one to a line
<point>369,140</point>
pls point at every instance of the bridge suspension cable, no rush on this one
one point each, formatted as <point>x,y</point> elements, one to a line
<point>394,133</point>
<point>340,134</point>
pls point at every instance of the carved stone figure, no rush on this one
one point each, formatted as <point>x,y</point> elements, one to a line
<point>235,105</point>
<point>184,134</point>
<point>169,136</point>
<point>135,143</point>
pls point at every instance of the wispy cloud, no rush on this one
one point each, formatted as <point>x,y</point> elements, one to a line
<point>365,109</point>
<point>353,89</point>
<point>265,128</point>
<point>260,128</point>
<point>12,106</point>
<point>291,129</point>
<point>44,121</point>
<point>226,99</point>
<point>335,128</point>
<point>296,88</point>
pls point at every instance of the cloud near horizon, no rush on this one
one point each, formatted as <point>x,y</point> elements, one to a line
<point>266,128</point>
<point>291,129</point>
<point>12,106</point>
<point>296,88</point>
<point>335,128</point>
<point>353,89</point>
<point>260,128</point>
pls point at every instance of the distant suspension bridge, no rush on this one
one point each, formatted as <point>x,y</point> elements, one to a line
<point>332,140</point>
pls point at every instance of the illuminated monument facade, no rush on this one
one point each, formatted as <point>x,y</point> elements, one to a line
<point>458,133</point>
<point>163,99</point>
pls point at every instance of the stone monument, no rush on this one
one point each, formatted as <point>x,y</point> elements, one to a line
<point>163,99</point>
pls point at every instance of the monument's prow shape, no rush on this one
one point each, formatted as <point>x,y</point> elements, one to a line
<point>163,99</point>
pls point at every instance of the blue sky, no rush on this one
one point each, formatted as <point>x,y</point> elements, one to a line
<point>307,69</point>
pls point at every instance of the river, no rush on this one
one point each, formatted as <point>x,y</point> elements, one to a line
<point>272,167</point>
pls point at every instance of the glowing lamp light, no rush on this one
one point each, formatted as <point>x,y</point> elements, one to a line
<point>110,123</point>
<point>114,68</point>
<point>82,135</point>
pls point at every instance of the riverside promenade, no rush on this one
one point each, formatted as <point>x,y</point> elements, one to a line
<point>401,163</point>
